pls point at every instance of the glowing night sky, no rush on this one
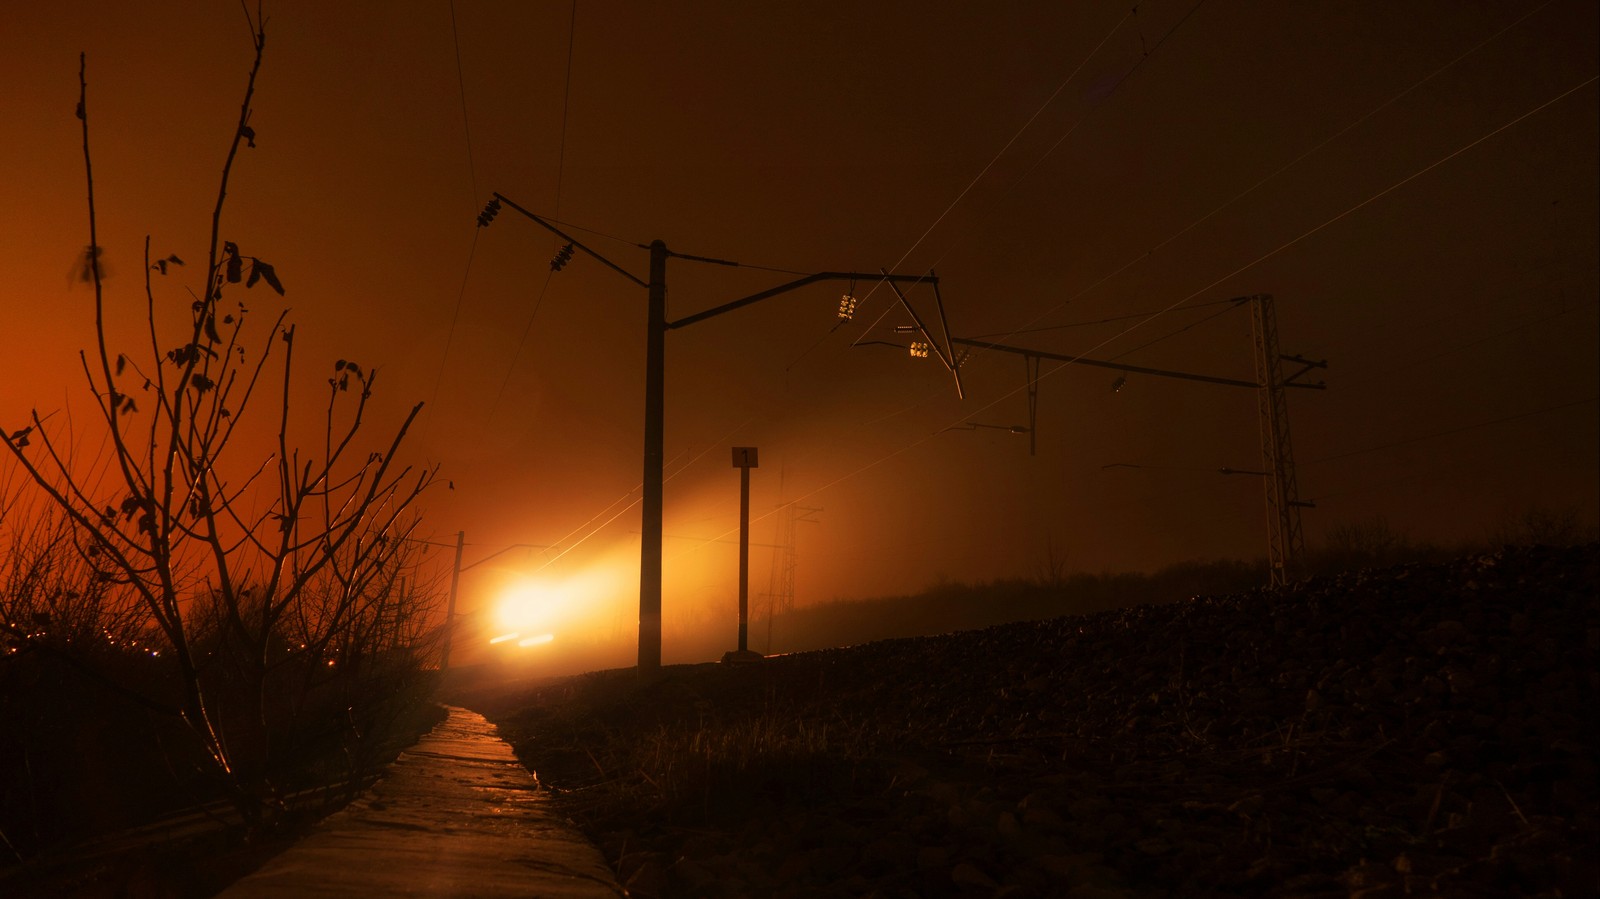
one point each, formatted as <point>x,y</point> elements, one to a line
<point>1415,183</point>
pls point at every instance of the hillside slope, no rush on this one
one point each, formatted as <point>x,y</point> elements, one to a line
<point>1422,729</point>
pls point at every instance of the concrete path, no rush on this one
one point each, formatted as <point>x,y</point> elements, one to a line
<point>456,815</point>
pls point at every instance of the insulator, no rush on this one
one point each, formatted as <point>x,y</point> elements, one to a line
<point>562,258</point>
<point>490,210</point>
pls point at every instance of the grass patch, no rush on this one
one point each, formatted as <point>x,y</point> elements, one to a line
<point>718,768</point>
<point>698,746</point>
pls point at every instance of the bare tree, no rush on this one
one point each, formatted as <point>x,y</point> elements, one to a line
<point>1540,525</point>
<point>1367,543</point>
<point>176,527</point>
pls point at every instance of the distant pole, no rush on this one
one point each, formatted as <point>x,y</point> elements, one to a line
<point>654,378</point>
<point>450,610</point>
<point>744,459</point>
<point>744,559</point>
<point>1285,539</point>
<point>654,416</point>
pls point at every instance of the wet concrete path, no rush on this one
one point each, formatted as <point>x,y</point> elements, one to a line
<point>456,815</point>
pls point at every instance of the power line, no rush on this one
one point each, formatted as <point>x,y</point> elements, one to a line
<point>996,158</point>
<point>572,226</point>
<point>1393,187</point>
<point>461,84</point>
<point>1189,326</point>
<point>1145,55</point>
<point>566,105</point>
<point>603,525</point>
<point>1084,324</point>
<point>1002,152</point>
<point>1037,162</point>
<point>527,329</point>
<point>1243,268</point>
<point>1273,175</point>
<point>1353,209</point>
<point>1197,222</point>
<point>472,179</point>
<point>561,162</point>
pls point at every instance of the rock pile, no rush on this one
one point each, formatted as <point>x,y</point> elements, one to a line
<point>1422,730</point>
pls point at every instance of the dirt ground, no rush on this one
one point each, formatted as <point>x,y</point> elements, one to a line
<point>1417,731</point>
<point>1422,730</point>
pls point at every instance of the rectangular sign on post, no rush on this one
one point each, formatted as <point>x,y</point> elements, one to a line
<point>744,457</point>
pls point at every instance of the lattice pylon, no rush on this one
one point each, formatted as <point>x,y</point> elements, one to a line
<point>1285,539</point>
<point>786,565</point>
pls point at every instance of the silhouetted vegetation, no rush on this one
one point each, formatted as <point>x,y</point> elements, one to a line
<point>954,606</point>
<point>1420,729</point>
<point>194,617</point>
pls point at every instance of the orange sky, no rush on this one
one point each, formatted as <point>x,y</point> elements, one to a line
<point>852,136</point>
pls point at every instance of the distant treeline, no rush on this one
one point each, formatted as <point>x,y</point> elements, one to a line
<point>954,606</point>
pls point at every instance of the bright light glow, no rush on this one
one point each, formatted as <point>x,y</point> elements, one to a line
<point>526,606</point>
<point>588,605</point>
<point>540,606</point>
<point>919,349</point>
<point>847,308</point>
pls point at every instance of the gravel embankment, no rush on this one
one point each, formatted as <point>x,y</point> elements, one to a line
<point>1423,730</point>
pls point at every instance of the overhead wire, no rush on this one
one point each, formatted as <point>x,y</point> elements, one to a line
<point>1143,58</point>
<point>940,218</point>
<point>1145,55</point>
<point>1097,321</point>
<point>1263,181</point>
<point>573,226</point>
<point>561,162</point>
<point>1239,196</point>
<point>993,160</point>
<point>472,178</point>
<point>1174,333</point>
<point>1002,152</point>
<point>1416,439</point>
<point>1258,260</point>
<point>1181,302</point>
<point>637,488</point>
<point>1251,264</point>
<point>1316,229</point>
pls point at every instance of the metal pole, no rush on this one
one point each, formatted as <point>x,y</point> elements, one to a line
<point>1285,540</point>
<point>450,610</point>
<point>654,416</point>
<point>744,559</point>
<point>654,405</point>
<point>1032,363</point>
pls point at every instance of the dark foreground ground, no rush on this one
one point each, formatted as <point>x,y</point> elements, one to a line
<point>1424,730</point>
<point>198,852</point>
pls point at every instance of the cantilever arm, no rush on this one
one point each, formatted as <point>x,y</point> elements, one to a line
<point>1100,363</point>
<point>785,288</point>
<point>946,355</point>
<point>572,240</point>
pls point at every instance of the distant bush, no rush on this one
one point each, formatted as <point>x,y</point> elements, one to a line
<point>954,606</point>
<point>1542,526</point>
<point>262,602</point>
